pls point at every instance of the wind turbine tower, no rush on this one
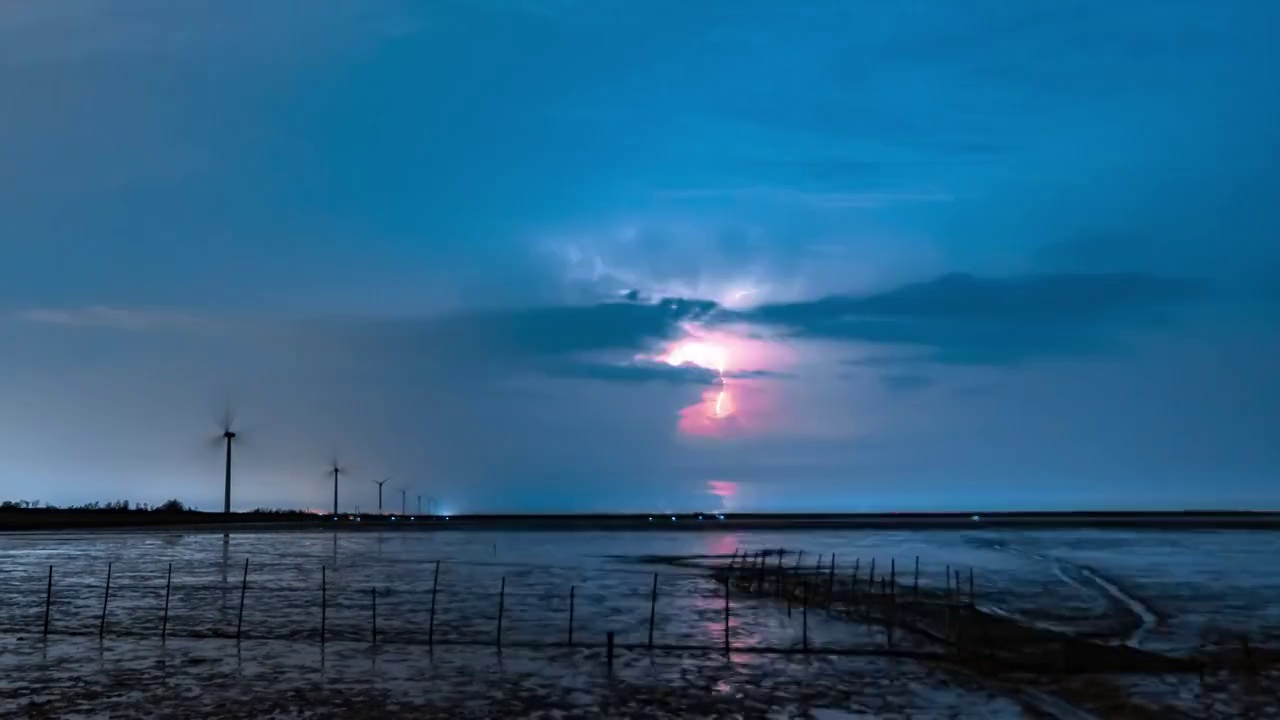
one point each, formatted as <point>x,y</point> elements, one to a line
<point>337,469</point>
<point>380,483</point>
<point>228,437</point>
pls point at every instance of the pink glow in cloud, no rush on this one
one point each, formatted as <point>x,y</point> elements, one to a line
<point>725,490</point>
<point>734,405</point>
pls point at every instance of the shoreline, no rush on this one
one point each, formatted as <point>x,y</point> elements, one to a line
<point>57,520</point>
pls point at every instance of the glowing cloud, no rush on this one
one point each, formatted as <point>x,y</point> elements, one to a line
<point>720,411</point>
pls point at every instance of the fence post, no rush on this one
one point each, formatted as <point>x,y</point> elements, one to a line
<point>609,649</point>
<point>871,576</point>
<point>653,608</point>
<point>374,595</point>
<point>168,585</point>
<point>502,601</point>
<point>244,582</point>
<point>726,620</point>
<point>48,600</point>
<point>324,600</point>
<point>831,581</point>
<point>760,573</point>
<point>806,616</point>
<point>571,593</point>
<point>972,602</point>
<point>106,594</point>
<point>893,575</point>
<point>948,591</point>
<point>915,583</point>
<point>853,581</point>
<point>779,580</point>
<point>431,624</point>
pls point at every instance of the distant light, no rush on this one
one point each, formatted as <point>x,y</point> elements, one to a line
<point>720,516</point>
<point>413,518</point>
<point>446,517</point>
<point>976,518</point>
<point>673,518</point>
<point>393,517</point>
<point>335,517</point>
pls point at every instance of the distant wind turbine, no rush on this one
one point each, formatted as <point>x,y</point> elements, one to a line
<point>336,470</point>
<point>403,503</point>
<point>380,483</point>
<point>228,436</point>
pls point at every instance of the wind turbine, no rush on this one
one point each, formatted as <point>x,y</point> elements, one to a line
<point>228,436</point>
<point>419,504</point>
<point>336,470</point>
<point>403,504</point>
<point>380,483</point>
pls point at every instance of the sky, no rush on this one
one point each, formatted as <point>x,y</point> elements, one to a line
<point>612,255</point>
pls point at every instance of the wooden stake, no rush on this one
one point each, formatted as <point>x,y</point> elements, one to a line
<point>502,602</point>
<point>805,631</point>
<point>571,592</point>
<point>653,608</point>
<point>915,584</point>
<point>726,620</point>
<point>48,600</point>
<point>168,584</point>
<point>106,594</point>
<point>431,624</point>
<point>244,582</point>
<point>831,581</point>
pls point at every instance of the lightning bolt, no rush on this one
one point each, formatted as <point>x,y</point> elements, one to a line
<point>719,411</point>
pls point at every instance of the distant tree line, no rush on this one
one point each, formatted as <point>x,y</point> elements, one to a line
<point>169,506</point>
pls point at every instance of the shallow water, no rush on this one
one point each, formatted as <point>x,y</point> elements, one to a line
<point>1187,580</point>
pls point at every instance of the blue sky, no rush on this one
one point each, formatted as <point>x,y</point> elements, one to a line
<point>949,255</point>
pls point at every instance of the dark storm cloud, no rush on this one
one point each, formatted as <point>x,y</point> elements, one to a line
<point>551,339</point>
<point>636,372</point>
<point>534,335</point>
<point>964,319</point>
